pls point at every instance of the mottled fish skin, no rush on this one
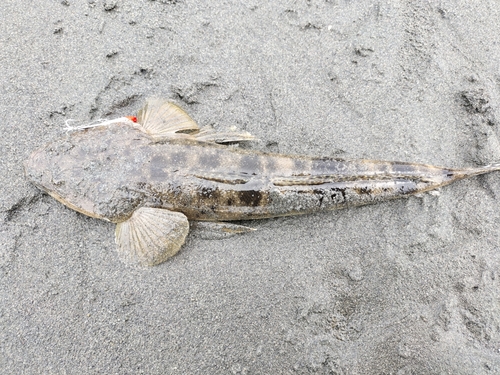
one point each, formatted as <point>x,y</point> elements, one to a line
<point>108,172</point>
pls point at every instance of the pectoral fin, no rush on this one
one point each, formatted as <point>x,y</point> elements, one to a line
<point>162,119</point>
<point>151,236</point>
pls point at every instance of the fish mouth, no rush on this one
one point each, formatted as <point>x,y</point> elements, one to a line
<point>33,169</point>
<point>79,209</point>
<point>38,172</point>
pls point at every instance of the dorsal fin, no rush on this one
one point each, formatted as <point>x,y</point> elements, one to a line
<point>209,134</point>
<point>162,119</point>
<point>306,180</point>
<point>225,178</point>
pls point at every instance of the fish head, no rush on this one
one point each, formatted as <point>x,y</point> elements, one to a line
<point>88,170</point>
<point>37,169</point>
<point>55,169</point>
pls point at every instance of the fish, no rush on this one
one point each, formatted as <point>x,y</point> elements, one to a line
<point>154,173</point>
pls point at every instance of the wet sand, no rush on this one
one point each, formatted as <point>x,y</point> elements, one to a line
<point>405,287</point>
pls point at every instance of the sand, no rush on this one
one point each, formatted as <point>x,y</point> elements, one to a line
<point>405,287</point>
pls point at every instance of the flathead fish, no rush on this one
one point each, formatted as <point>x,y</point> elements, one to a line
<point>153,173</point>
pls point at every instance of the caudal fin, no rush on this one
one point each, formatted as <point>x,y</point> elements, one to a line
<point>469,172</point>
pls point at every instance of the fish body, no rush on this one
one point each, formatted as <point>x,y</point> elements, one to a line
<point>150,179</point>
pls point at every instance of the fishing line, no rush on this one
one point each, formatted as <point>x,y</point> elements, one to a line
<point>96,123</point>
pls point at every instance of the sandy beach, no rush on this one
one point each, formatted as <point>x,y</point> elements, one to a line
<point>409,286</point>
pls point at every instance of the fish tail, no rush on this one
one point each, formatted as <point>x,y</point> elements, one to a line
<point>469,172</point>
